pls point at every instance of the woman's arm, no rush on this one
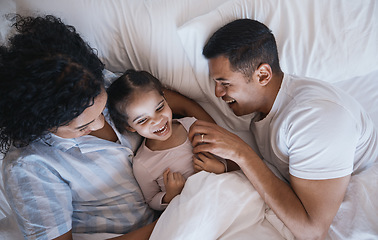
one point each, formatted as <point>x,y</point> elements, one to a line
<point>184,106</point>
<point>142,233</point>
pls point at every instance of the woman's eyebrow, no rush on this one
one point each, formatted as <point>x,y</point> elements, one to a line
<point>83,126</point>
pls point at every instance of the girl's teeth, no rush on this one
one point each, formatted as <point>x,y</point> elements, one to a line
<point>161,129</point>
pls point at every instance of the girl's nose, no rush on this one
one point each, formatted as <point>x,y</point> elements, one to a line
<point>157,119</point>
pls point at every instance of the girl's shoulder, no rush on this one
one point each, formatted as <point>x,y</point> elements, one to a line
<point>186,122</point>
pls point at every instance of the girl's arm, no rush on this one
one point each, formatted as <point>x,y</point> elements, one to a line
<point>151,190</point>
<point>184,106</point>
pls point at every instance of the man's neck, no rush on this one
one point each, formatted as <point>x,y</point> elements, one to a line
<point>274,88</point>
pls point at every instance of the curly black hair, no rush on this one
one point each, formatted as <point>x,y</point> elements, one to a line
<point>122,90</point>
<point>48,76</point>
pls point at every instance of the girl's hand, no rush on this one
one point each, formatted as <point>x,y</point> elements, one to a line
<point>174,183</point>
<point>207,162</point>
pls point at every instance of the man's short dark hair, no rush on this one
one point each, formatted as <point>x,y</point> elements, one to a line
<point>246,43</point>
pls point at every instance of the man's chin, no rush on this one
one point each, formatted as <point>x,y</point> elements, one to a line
<point>239,113</point>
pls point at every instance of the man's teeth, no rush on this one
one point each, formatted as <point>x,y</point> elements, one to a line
<point>230,101</point>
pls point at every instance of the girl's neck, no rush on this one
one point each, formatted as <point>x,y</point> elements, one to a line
<point>178,137</point>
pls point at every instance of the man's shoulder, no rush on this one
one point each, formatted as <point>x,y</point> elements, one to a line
<point>306,90</point>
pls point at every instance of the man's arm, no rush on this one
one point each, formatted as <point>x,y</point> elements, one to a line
<point>307,207</point>
<point>184,106</point>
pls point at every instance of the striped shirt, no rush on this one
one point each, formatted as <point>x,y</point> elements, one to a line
<point>84,184</point>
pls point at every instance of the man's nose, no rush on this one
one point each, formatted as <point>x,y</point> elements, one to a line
<point>220,90</point>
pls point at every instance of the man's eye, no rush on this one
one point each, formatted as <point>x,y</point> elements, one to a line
<point>225,84</point>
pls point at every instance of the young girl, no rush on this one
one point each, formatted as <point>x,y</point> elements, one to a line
<point>164,160</point>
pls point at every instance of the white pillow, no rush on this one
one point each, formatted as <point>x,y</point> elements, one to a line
<point>365,90</point>
<point>327,40</point>
<point>6,7</point>
<point>133,34</point>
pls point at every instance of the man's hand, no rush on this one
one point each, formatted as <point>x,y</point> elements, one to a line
<point>209,137</point>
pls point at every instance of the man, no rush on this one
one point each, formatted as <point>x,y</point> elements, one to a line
<point>314,136</point>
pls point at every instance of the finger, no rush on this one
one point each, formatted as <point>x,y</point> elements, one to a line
<point>179,177</point>
<point>201,139</point>
<point>205,154</point>
<point>197,168</point>
<point>199,127</point>
<point>199,163</point>
<point>208,147</point>
<point>174,176</point>
<point>204,157</point>
<point>165,176</point>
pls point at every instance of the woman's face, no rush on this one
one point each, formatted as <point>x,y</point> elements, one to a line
<point>89,120</point>
<point>149,115</point>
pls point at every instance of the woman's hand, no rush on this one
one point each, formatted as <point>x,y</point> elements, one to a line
<point>174,183</point>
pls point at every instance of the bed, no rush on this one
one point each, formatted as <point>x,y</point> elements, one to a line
<point>334,41</point>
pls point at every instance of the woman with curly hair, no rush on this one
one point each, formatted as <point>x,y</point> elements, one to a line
<point>66,168</point>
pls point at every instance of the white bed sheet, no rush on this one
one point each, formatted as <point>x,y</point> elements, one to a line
<point>335,41</point>
<point>224,206</point>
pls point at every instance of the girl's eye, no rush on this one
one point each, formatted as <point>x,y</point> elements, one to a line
<point>160,107</point>
<point>141,121</point>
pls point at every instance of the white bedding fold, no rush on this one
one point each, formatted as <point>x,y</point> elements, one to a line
<point>224,206</point>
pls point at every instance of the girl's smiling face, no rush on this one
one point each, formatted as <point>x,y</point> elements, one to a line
<point>149,115</point>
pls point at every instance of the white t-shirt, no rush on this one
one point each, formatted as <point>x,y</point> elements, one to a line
<point>315,131</point>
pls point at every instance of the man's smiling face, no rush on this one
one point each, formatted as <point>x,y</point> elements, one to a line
<point>242,94</point>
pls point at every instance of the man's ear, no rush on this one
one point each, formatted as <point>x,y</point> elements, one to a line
<point>130,129</point>
<point>264,73</point>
